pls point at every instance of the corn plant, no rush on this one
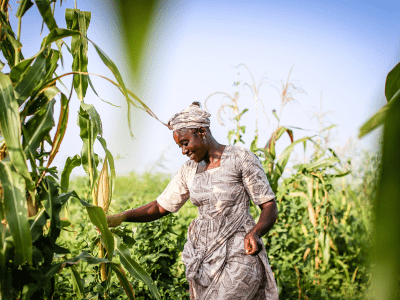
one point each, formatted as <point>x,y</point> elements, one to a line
<point>31,195</point>
<point>385,259</point>
<point>235,114</point>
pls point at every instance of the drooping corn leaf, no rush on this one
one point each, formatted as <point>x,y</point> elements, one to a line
<point>38,127</point>
<point>40,100</point>
<point>270,146</point>
<point>11,128</point>
<point>46,13</point>
<point>79,20</point>
<point>16,211</point>
<point>25,87</point>
<point>321,163</point>
<point>98,218</point>
<point>23,7</point>
<point>134,268</point>
<point>88,134</point>
<point>70,164</point>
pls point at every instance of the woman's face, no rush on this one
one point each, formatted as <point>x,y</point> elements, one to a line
<point>192,144</point>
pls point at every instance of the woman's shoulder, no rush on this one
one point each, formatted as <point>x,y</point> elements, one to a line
<point>240,151</point>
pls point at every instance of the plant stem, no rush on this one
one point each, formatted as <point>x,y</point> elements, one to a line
<point>18,39</point>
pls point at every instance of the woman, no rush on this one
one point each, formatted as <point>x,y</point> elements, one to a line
<point>224,255</point>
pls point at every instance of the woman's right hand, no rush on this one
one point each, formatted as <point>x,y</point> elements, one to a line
<point>115,220</point>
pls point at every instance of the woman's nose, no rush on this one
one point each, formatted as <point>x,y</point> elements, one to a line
<point>184,150</point>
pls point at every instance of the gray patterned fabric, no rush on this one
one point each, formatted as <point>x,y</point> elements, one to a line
<point>191,117</point>
<point>217,266</point>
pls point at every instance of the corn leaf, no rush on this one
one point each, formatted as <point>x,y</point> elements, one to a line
<point>16,211</point>
<point>70,164</point>
<point>88,134</point>
<point>28,291</point>
<point>77,283</point>
<point>98,218</point>
<point>379,118</point>
<point>25,87</point>
<point>392,85</point>
<point>36,224</point>
<point>123,280</point>
<point>46,13</point>
<point>61,128</point>
<point>134,268</point>
<point>41,100</point>
<point>23,6</point>
<point>321,163</point>
<point>38,127</point>
<point>386,234</point>
<point>11,128</point>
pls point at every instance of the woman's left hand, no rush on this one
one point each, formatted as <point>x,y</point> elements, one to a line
<point>252,243</point>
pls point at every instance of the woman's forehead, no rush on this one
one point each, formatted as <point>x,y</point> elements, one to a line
<point>180,135</point>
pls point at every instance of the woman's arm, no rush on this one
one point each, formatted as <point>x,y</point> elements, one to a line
<point>146,213</point>
<point>269,214</point>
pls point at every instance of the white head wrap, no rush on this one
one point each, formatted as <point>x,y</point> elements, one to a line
<point>191,117</point>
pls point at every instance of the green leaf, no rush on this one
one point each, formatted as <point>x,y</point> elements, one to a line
<point>98,218</point>
<point>270,146</point>
<point>88,134</point>
<point>24,5</point>
<point>392,85</point>
<point>134,268</point>
<point>379,118</point>
<point>28,290</point>
<point>321,163</point>
<point>38,127</point>
<point>123,280</point>
<point>77,283</point>
<point>20,69</point>
<point>6,252</point>
<point>36,224</point>
<point>386,225</point>
<point>26,86</point>
<point>94,116</point>
<point>46,13</point>
<point>79,20</point>
<point>11,129</point>
<point>41,100</point>
<point>70,164</point>
<point>16,211</point>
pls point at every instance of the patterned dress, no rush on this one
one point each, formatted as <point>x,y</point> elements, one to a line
<point>217,266</point>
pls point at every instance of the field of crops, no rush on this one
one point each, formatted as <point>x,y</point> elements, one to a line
<point>315,262</point>
<point>54,239</point>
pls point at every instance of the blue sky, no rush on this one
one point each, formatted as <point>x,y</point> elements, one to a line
<point>340,50</point>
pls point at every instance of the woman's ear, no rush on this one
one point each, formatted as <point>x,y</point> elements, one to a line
<point>202,133</point>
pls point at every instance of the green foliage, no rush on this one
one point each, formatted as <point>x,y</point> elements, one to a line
<point>386,237</point>
<point>31,199</point>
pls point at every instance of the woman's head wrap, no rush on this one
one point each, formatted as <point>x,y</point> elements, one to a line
<point>191,117</point>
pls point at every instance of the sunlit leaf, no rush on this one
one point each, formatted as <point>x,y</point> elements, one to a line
<point>11,129</point>
<point>16,211</point>
<point>98,218</point>
<point>23,7</point>
<point>38,127</point>
<point>70,164</point>
<point>392,85</point>
<point>134,268</point>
